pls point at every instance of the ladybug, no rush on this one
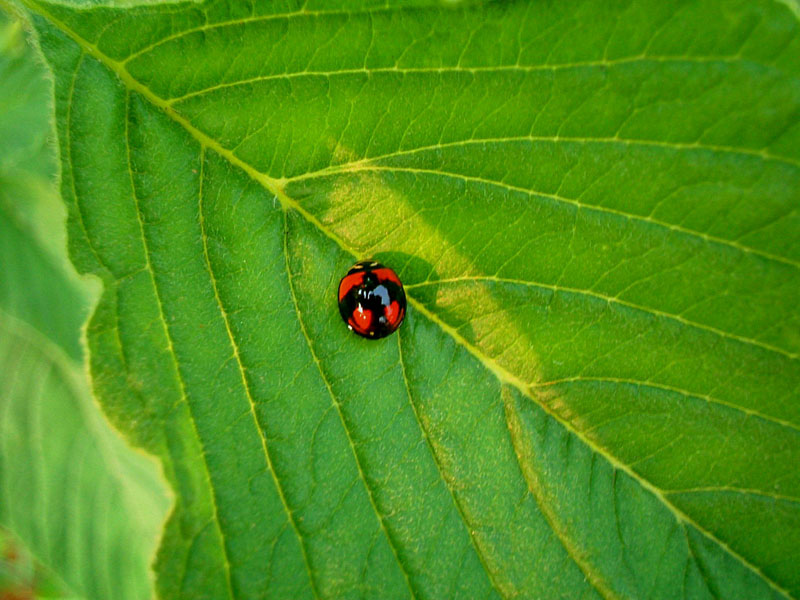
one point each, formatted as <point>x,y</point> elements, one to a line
<point>371,300</point>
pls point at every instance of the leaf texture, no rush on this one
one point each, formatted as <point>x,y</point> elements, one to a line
<point>594,209</point>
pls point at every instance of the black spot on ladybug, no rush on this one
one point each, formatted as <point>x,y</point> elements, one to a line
<point>371,300</point>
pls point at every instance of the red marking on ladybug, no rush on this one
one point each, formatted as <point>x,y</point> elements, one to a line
<point>371,300</point>
<point>350,281</point>
<point>386,274</point>
<point>392,312</point>
<point>362,319</point>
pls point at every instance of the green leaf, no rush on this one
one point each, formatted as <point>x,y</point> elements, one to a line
<point>84,503</point>
<point>594,208</point>
<point>79,499</point>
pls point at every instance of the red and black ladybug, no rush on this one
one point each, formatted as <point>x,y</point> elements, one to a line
<point>371,300</point>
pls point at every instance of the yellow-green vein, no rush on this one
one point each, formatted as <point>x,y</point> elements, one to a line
<point>564,200</point>
<point>402,71</point>
<point>722,489</point>
<point>522,451</point>
<point>612,300</point>
<point>370,494</point>
<point>556,139</point>
<point>171,350</point>
<point>245,382</point>
<point>669,388</point>
<point>497,585</point>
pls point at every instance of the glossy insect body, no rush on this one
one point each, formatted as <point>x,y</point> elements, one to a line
<point>371,300</point>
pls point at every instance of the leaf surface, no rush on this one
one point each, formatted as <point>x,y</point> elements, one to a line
<point>594,210</point>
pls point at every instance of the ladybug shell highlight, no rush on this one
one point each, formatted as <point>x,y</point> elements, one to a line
<point>371,300</point>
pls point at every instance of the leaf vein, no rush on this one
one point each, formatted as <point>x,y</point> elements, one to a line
<point>535,489</point>
<point>476,545</point>
<point>455,69</point>
<point>613,300</point>
<point>734,490</point>
<point>708,238</point>
<point>171,350</point>
<point>245,382</point>
<point>370,492</point>
<point>761,154</point>
<point>669,388</point>
<point>233,22</point>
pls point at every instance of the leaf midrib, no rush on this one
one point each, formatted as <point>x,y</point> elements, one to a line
<point>276,188</point>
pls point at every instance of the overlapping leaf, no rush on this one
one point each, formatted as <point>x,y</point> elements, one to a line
<point>79,499</point>
<point>594,208</point>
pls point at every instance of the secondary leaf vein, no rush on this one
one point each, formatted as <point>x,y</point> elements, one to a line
<point>614,300</point>
<point>455,69</point>
<point>245,382</point>
<point>171,350</point>
<point>475,543</point>
<point>365,167</point>
<point>531,477</point>
<point>370,492</point>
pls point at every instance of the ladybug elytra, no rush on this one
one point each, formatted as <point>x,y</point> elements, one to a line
<point>371,300</point>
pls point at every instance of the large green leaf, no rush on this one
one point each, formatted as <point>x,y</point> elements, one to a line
<point>594,208</point>
<point>80,500</point>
